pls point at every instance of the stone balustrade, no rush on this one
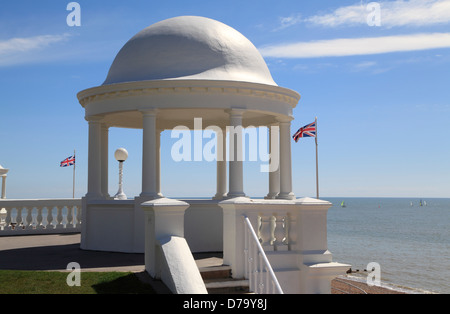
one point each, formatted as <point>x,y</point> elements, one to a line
<point>39,216</point>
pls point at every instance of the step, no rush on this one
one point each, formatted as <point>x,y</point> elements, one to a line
<point>227,286</point>
<point>217,277</point>
<point>216,272</point>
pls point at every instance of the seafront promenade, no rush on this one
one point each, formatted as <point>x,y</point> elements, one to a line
<point>54,252</point>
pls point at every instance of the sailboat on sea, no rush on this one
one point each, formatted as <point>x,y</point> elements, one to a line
<point>343,204</point>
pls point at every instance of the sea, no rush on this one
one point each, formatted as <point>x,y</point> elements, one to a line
<point>409,238</point>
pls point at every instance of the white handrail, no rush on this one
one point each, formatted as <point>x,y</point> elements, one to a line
<point>257,264</point>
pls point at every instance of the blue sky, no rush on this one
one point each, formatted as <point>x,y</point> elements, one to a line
<point>381,93</point>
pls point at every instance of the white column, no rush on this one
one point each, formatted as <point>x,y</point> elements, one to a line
<point>221,165</point>
<point>104,158</point>
<point>158,163</point>
<point>285,160</point>
<point>94,160</point>
<point>236,177</point>
<point>149,173</point>
<point>4,186</point>
<point>274,176</point>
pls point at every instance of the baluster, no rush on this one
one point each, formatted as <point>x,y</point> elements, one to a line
<point>280,234</point>
<point>49,225</point>
<point>39,218</point>
<point>273,225</point>
<point>264,233</point>
<point>69,217</point>
<point>8,219</point>
<point>259,228</point>
<point>2,218</point>
<point>78,216</point>
<point>18,226</point>
<point>286,224</point>
<point>29,219</point>
<point>292,231</point>
<point>59,217</point>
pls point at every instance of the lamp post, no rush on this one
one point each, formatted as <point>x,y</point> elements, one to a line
<point>121,155</point>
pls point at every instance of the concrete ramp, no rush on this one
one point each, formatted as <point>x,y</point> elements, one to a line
<point>179,271</point>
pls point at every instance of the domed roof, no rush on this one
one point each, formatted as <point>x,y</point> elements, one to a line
<point>189,48</point>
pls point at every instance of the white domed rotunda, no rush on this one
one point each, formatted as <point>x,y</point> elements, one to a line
<point>168,75</point>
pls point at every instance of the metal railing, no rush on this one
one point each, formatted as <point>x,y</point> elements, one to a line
<point>262,279</point>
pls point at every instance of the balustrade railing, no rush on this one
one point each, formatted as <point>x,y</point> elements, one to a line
<point>262,279</point>
<point>40,216</point>
<point>274,232</point>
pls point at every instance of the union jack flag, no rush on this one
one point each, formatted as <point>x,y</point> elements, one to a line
<point>306,131</point>
<point>69,161</point>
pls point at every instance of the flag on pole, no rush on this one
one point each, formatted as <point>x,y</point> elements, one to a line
<point>310,130</point>
<point>306,131</point>
<point>69,161</point>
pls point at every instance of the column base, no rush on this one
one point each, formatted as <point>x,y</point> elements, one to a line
<point>219,197</point>
<point>271,196</point>
<point>234,195</point>
<point>94,196</point>
<point>150,196</point>
<point>286,196</point>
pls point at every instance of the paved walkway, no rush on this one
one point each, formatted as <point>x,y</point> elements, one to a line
<point>54,252</point>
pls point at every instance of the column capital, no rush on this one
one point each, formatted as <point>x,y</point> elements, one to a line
<point>94,119</point>
<point>148,111</point>
<point>284,119</point>
<point>236,111</point>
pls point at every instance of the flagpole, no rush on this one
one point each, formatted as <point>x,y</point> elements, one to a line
<point>74,165</point>
<point>317,164</point>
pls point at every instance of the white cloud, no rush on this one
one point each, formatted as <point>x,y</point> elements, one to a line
<point>393,13</point>
<point>397,13</point>
<point>358,46</point>
<point>22,50</point>
<point>286,22</point>
<point>349,15</point>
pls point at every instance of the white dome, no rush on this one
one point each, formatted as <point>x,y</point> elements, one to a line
<point>189,48</point>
